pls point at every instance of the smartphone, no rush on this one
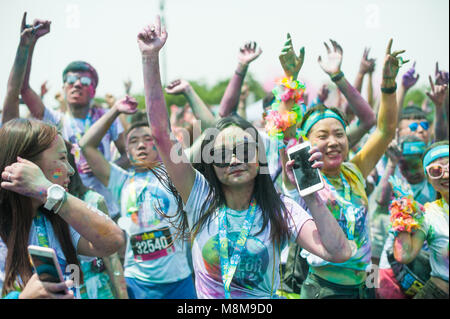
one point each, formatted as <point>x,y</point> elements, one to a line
<point>309,180</point>
<point>46,264</point>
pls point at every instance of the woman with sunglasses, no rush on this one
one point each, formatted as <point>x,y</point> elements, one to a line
<point>239,223</point>
<point>435,226</point>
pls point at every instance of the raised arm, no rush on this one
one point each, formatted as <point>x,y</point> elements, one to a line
<point>230,99</point>
<point>29,96</point>
<point>366,67</point>
<point>17,74</point>
<point>438,95</point>
<point>199,108</point>
<point>442,77</point>
<point>151,40</point>
<point>357,103</point>
<point>408,81</point>
<point>379,140</point>
<point>92,138</point>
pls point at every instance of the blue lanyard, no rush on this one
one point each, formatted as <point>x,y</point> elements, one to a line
<point>346,205</point>
<point>41,230</point>
<point>228,266</point>
<point>74,127</point>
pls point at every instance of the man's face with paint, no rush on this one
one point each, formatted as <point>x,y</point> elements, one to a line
<point>404,129</point>
<point>412,169</point>
<point>238,172</point>
<point>55,164</point>
<point>141,147</point>
<point>77,93</point>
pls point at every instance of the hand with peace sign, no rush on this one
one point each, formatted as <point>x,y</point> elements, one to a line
<point>391,66</point>
<point>152,38</point>
<point>367,65</point>
<point>441,76</point>
<point>333,65</point>
<point>290,62</point>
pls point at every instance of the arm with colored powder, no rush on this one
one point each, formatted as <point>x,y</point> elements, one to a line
<point>230,100</point>
<point>17,74</point>
<point>408,81</point>
<point>379,140</point>
<point>438,95</point>
<point>407,246</point>
<point>357,103</point>
<point>442,77</point>
<point>366,67</point>
<point>199,108</point>
<point>151,40</point>
<point>91,140</point>
<point>29,96</point>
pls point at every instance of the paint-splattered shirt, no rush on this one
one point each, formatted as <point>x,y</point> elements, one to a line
<point>435,227</point>
<point>257,274</point>
<point>148,256</point>
<point>353,175</point>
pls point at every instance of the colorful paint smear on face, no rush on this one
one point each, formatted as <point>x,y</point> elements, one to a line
<point>57,173</point>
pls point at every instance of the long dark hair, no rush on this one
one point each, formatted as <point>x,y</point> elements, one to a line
<point>272,207</point>
<point>26,138</point>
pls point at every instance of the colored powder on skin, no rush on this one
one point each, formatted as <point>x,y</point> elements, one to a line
<point>57,173</point>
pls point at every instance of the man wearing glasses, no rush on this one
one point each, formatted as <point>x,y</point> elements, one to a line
<point>80,81</point>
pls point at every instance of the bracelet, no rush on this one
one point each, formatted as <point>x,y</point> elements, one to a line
<point>61,203</point>
<point>337,77</point>
<point>389,90</point>
<point>240,74</point>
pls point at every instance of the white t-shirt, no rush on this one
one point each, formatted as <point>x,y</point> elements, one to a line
<point>435,227</point>
<point>150,260</point>
<point>257,274</point>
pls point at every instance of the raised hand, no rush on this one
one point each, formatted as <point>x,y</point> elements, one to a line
<point>392,63</point>
<point>110,99</point>
<point>290,62</point>
<point>25,178</point>
<point>441,76</point>
<point>394,153</point>
<point>367,65</point>
<point>39,27</point>
<point>323,93</point>
<point>127,105</point>
<point>248,53</point>
<point>27,37</point>
<point>315,158</point>
<point>152,38</point>
<point>44,88</point>
<point>127,84</point>
<point>333,64</point>
<point>438,93</point>
<point>408,79</point>
<point>178,86</point>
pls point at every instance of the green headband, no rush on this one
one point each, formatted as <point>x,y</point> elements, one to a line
<point>318,115</point>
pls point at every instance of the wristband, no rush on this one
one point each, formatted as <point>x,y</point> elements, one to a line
<point>337,77</point>
<point>389,90</point>
<point>61,203</point>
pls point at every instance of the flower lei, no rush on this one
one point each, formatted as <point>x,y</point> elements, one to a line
<point>406,215</point>
<point>277,122</point>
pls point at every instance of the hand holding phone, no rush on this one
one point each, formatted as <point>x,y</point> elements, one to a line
<point>46,265</point>
<point>308,178</point>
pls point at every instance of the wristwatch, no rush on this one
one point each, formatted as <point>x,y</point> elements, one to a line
<point>55,193</point>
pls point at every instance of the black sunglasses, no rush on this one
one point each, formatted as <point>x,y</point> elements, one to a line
<point>244,152</point>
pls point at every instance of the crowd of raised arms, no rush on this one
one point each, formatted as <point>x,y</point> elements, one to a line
<point>140,205</point>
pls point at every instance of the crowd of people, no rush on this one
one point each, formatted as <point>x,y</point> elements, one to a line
<point>146,208</point>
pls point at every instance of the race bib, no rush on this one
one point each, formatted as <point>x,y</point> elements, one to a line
<point>152,245</point>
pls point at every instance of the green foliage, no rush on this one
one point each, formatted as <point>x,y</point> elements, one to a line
<point>209,95</point>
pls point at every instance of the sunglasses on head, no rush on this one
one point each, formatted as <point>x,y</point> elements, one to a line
<point>413,126</point>
<point>244,153</point>
<point>85,80</point>
<point>436,170</point>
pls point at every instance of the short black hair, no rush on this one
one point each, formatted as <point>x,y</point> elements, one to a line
<point>136,125</point>
<point>412,112</point>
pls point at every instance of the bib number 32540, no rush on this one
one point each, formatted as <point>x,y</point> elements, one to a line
<point>152,245</point>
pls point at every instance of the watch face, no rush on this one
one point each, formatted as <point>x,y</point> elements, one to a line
<point>56,192</point>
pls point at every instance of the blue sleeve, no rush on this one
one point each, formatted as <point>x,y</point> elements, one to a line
<point>12,295</point>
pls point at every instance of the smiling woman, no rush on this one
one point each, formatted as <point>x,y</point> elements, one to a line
<point>33,162</point>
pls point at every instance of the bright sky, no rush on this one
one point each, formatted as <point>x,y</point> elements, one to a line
<point>205,35</point>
